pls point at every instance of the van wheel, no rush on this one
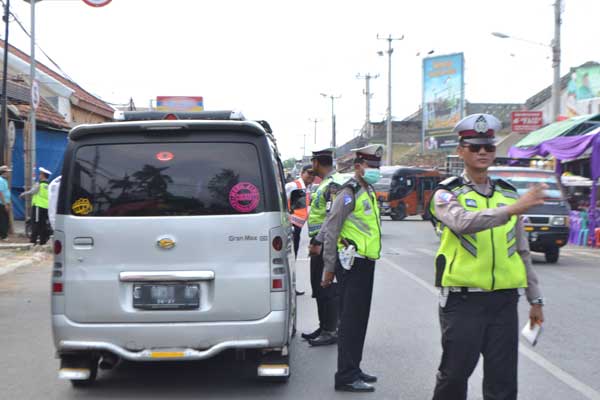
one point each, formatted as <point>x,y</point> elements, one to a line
<point>399,213</point>
<point>552,255</point>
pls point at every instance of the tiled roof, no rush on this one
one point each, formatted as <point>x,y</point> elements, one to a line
<point>85,100</point>
<point>45,113</point>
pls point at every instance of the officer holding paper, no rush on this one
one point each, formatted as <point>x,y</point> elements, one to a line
<point>351,238</point>
<point>482,262</point>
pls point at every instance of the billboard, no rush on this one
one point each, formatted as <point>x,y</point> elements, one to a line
<point>526,121</point>
<point>583,90</point>
<point>179,103</point>
<point>443,98</point>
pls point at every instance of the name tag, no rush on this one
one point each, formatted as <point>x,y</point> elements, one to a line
<point>471,203</point>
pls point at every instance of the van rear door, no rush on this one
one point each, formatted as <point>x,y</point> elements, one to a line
<point>167,232</point>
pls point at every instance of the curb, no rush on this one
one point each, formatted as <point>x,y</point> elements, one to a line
<point>35,258</point>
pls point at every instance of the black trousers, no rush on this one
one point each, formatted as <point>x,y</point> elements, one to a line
<point>356,291</point>
<point>327,299</point>
<point>3,222</point>
<point>39,227</point>
<point>477,323</point>
<point>297,232</point>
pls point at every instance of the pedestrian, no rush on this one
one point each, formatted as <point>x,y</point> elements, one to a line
<point>353,229</point>
<point>39,208</point>
<point>53,190</point>
<point>299,215</point>
<point>326,297</point>
<point>4,202</point>
<point>482,264</point>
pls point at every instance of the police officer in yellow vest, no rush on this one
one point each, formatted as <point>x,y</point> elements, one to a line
<point>482,263</point>
<point>351,238</point>
<point>321,200</point>
<point>39,208</point>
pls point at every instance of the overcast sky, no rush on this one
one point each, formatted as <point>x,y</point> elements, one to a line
<point>272,59</point>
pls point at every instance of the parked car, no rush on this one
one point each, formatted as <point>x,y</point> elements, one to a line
<point>547,225</point>
<point>172,242</point>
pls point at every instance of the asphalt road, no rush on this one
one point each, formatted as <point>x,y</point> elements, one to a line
<point>402,348</point>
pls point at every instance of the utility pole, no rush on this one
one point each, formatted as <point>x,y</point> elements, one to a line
<point>4,122</point>
<point>315,120</point>
<point>556,61</point>
<point>388,141</point>
<point>367,92</point>
<point>30,168</point>
<point>333,98</point>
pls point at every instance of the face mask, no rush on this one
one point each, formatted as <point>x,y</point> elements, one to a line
<point>372,176</point>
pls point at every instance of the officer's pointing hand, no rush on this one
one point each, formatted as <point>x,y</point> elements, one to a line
<point>533,197</point>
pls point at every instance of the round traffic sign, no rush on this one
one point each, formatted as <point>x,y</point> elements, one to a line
<point>35,94</point>
<point>12,131</point>
<point>97,3</point>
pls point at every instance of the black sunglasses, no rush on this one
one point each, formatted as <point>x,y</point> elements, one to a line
<point>474,148</point>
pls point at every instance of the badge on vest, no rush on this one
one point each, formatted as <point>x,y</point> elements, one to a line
<point>471,203</point>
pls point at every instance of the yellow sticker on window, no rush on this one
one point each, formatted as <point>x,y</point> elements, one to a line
<point>82,207</point>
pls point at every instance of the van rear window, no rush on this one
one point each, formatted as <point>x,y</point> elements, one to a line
<point>166,179</point>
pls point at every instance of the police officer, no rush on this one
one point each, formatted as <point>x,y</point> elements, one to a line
<point>482,262</point>
<point>326,297</point>
<point>353,229</point>
<point>39,208</point>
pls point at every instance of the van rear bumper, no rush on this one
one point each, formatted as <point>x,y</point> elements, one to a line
<point>169,341</point>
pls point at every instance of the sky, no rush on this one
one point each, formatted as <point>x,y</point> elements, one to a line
<point>271,59</point>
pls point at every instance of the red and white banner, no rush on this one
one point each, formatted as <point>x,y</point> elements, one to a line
<point>526,121</point>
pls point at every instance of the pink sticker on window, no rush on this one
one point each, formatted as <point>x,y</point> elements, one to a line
<point>244,197</point>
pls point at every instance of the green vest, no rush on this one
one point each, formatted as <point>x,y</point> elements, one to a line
<point>362,227</point>
<point>321,200</point>
<point>40,199</point>
<point>487,259</point>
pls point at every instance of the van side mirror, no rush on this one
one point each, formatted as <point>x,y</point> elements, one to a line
<point>297,199</point>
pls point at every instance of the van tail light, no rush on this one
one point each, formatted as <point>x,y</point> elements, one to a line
<point>57,287</point>
<point>277,284</point>
<point>170,117</point>
<point>277,243</point>
<point>57,247</point>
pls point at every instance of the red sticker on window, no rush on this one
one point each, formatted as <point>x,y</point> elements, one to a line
<point>244,197</point>
<point>164,156</point>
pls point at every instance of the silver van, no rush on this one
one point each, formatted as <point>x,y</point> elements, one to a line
<point>172,242</point>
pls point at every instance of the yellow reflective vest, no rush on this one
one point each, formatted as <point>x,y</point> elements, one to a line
<point>487,259</point>
<point>40,199</point>
<point>321,201</point>
<point>362,227</point>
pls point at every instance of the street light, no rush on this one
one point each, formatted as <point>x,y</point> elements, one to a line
<point>333,98</point>
<point>388,141</point>
<point>555,46</point>
<point>315,120</point>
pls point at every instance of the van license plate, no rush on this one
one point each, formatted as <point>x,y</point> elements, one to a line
<point>166,296</point>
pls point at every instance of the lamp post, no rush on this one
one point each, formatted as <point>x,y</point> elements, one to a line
<point>333,98</point>
<point>555,46</point>
<point>367,92</point>
<point>315,121</point>
<point>3,123</point>
<point>388,141</point>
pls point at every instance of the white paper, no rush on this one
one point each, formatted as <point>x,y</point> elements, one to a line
<point>531,334</point>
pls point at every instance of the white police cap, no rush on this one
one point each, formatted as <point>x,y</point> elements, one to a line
<point>371,154</point>
<point>44,170</point>
<point>478,128</point>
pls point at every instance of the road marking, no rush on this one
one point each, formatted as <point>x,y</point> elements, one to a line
<point>557,372</point>
<point>428,252</point>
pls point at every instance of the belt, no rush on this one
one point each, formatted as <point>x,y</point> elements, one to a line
<point>455,289</point>
<point>364,258</point>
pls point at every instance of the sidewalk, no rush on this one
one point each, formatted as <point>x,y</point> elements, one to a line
<point>17,252</point>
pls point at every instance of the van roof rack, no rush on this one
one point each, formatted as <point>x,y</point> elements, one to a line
<point>178,115</point>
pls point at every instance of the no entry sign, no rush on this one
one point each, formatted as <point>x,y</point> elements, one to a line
<point>97,3</point>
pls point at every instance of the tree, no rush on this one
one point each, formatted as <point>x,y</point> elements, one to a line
<point>289,163</point>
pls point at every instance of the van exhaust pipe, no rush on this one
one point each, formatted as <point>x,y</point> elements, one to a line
<point>108,361</point>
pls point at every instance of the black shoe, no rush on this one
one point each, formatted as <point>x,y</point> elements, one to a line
<point>357,386</point>
<point>368,378</point>
<point>299,292</point>
<point>324,339</point>
<point>310,336</point>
